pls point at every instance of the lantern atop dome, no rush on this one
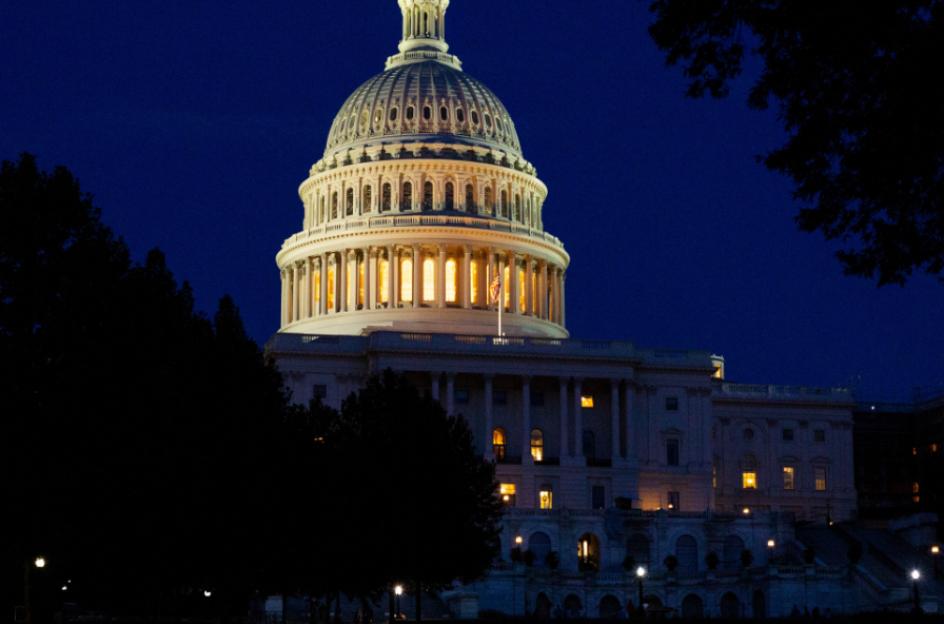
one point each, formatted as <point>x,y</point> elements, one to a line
<point>424,34</point>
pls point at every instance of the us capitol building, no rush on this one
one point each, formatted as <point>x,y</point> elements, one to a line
<point>610,457</point>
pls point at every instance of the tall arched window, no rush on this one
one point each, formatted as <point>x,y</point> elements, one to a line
<point>469,198</point>
<point>383,280</point>
<point>522,292</point>
<point>368,199</point>
<point>540,545</point>
<point>506,286</point>
<point>749,472</point>
<point>452,280</point>
<point>386,198</point>
<point>406,203</point>
<point>517,213</point>
<point>503,204</point>
<point>321,210</point>
<point>537,445</point>
<point>349,202</point>
<point>428,196</point>
<point>361,282</point>
<point>450,196</point>
<point>588,552</point>
<point>489,201</point>
<point>406,280</point>
<point>498,443</point>
<point>429,280</point>
<point>334,205</point>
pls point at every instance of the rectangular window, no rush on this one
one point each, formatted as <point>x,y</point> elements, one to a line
<point>319,392</point>
<point>819,435</point>
<point>406,280</point>
<point>789,478</point>
<point>598,497</point>
<point>671,404</point>
<point>507,492</point>
<point>462,396</point>
<point>673,499</point>
<point>429,280</point>
<point>819,478</point>
<point>672,452</point>
<point>537,399</point>
<point>749,480</point>
<point>787,435</point>
<point>500,397</point>
<point>586,401</point>
<point>546,497</point>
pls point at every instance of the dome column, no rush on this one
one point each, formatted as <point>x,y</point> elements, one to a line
<point>323,304</point>
<point>370,279</point>
<point>306,290</point>
<point>529,286</point>
<point>513,276</point>
<point>542,291</point>
<point>563,301</point>
<point>417,274</point>
<point>466,280</point>
<point>393,274</point>
<point>441,278</point>
<point>291,294</point>
<point>284,310</point>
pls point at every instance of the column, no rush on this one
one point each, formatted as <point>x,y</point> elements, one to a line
<point>628,407</point>
<point>488,279</point>
<point>513,276</point>
<point>417,272</point>
<point>435,380</point>
<point>450,393</point>
<point>323,304</point>
<point>371,279</point>
<point>526,458</point>
<point>291,294</point>
<point>351,284</point>
<point>284,307</point>
<point>542,291</point>
<point>489,452</point>
<point>578,419</point>
<point>441,278</point>
<point>614,420</point>
<point>528,289</point>
<point>563,419</point>
<point>563,300</point>
<point>466,280</point>
<point>341,276</point>
<point>393,275</point>
<point>306,289</point>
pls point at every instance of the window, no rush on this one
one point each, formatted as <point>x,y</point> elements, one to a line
<point>428,196</point>
<point>427,113</point>
<point>749,480</point>
<point>469,198</point>
<point>589,445</point>
<point>789,478</point>
<point>409,112</point>
<point>474,282</point>
<point>500,397</point>
<point>586,401</point>
<point>522,293</point>
<point>316,287</point>
<point>450,196</point>
<point>503,204</point>
<point>672,500</point>
<point>462,396</point>
<point>361,282</point>
<point>332,286</point>
<point>671,404</point>
<point>460,115</point>
<point>672,452</point>
<point>429,280</point>
<point>443,113</point>
<point>488,121</point>
<point>537,445</point>
<point>507,492</point>
<point>488,199</point>
<point>748,434</point>
<point>787,435</point>
<point>386,199</point>
<point>393,114</point>
<point>334,205</point>
<point>537,398</point>
<point>452,281</point>
<point>819,435</point>
<point>714,475</point>
<point>598,497</point>
<point>546,497</point>
<point>498,443</point>
<point>383,280</point>
<point>349,202</point>
<point>368,199</point>
<point>319,392</point>
<point>819,478</point>
<point>406,203</point>
<point>378,116</point>
<point>475,118</point>
<point>406,280</point>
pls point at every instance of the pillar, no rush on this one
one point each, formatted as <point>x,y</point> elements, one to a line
<point>466,280</point>
<point>526,458</point>
<point>564,451</point>
<point>351,285</point>
<point>528,288</point>
<point>542,292</point>
<point>306,289</point>
<point>441,278</point>
<point>614,420</point>
<point>578,419</point>
<point>371,278</point>
<point>393,268</point>
<point>283,313</point>
<point>291,294</point>
<point>417,273</point>
<point>563,300</point>
<point>489,451</point>
<point>341,276</point>
<point>513,276</point>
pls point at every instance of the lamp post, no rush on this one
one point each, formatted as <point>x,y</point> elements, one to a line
<point>771,546</point>
<point>38,563</point>
<point>398,591</point>
<point>640,575</point>
<point>936,555</point>
<point>915,577</point>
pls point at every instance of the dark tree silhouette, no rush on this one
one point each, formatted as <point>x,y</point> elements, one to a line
<point>856,88</point>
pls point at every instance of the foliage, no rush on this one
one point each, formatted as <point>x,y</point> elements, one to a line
<point>855,88</point>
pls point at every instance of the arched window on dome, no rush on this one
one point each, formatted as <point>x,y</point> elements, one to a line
<point>452,280</point>
<point>537,445</point>
<point>427,113</point>
<point>410,113</point>
<point>460,115</point>
<point>386,197</point>
<point>516,215</point>
<point>489,206</point>
<point>349,202</point>
<point>406,280</point>
<point>429,280</point>
<point>503,205</point>
<point>427,196</point>
<point>450,196</point>
<point>393,114</point>
<point>368,198</point>
<point>475,118</point>
<point>469,198</point>
<point>321,210</point>
<point>498,444</point>
<point>406,201</point>
<point>443,113</point>
<point>334,205</point>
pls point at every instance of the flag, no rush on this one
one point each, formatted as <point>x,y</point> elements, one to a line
<point>494,290</point>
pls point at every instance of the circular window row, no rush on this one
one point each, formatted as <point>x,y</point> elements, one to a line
<point>349,125</point>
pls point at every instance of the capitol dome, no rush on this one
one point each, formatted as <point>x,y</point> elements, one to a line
<point>422,215</point>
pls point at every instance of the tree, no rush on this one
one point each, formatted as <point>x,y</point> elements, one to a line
<point>856,90</point>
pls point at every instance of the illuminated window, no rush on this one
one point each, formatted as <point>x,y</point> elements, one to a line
<point>506,280</point>
<point>719,370</point>
<point>588,552</point>
<point>749,480</point>
<point>789,478</point>
<point>586,401</point>
<point>522,293</point>
<point>332,287</point>
<point>452,281</point>
<point>819,478</point>
<point>474,282</point>
<point>546,497</point>
<point>316,286</point>
<point>406,280</point>
<point>935,447</point>
<point>383,280</point>
<point>362,283</point>
<point>914,450</point>
<point>498,443</point>
<point>915,488</point>
<point>429,280</point>
<point>507,492</point>
<point>537,445</point>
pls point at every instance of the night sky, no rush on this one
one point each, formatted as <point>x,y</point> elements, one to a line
<point>193,122</point>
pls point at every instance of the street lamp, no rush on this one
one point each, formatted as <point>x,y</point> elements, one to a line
<point>398,591</point>
<point>640,575</point>
<point>207,593</point>
<point>915,577</point>
<point>38,563</point>
<point>771,544</point>
<point>746,511</point>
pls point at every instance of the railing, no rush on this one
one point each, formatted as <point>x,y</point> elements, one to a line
<point>785,392</point>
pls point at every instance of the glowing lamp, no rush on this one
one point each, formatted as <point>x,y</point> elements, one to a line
<point>40,562</point>
<point>771,543</point>
<point>640,572</point>
<point>935,550</point>
<point>519,540</point>
<point>398,590</point>
<point>746,511</point>
<point>915,575</point>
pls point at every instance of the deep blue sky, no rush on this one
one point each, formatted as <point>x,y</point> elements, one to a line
<point>194,121</point>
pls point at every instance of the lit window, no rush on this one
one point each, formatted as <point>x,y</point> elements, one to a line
<point>507,492</point>
<point>474,282</point>
<point>546,498</point>
<point>914,450</point>
<point>522,293</point>
<point>749,480</point>
<point>586,401</point>
<point>498,443</point>
<point>451,280</point>
<point>537,445</point>
<point>672,452</point>
<point>789,478</point>
<point>935,447</point>
<point>429,280</point>
<point>671,404</point>
<point>406,280</point>
<point>383,280</point>
<point>332,287</point>
<point>819,435</point>
<point>819,478</point>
